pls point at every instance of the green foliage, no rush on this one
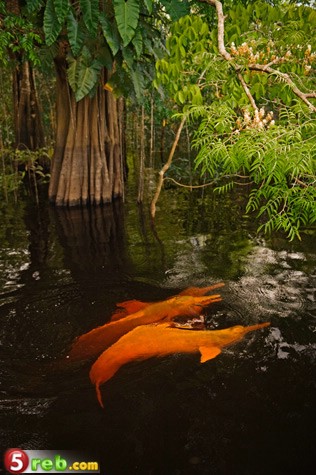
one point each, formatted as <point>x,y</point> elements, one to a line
<point>278,163</point>
<point>126,15</point>
<point>95,34</point>
<point>283,36</point>
<point>18,165</point>
<point>83,73</point>
<point>90,10</point>
<point>75,34</point>
<point>149,5</point>
<point>61,9</point>
<point>18,36</point>
<point>183,71</point>
<point>51,24</point>
<point>176,9</point>
<point>110,33</point>
<point>34,5</point>
<point>270,147</point>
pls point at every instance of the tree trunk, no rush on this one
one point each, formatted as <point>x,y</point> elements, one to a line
<point>28,125</point>
<point>87,165</point>
<point>27,115</point>
<point>141,178</point>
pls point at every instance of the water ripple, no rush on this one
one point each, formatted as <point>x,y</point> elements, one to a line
<point>26,406</point>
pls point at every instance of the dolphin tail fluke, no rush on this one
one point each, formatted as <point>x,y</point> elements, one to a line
<point>99,396</point>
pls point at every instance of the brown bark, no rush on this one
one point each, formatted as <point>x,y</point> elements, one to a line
<point>141,177</point>
<point>27,114</point>
<point>13,6</point>
<point>152,134</point>
<point>28,126</point>
<point>87,163</point>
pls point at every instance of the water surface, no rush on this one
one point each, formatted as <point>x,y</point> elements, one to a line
<point>250,411</point>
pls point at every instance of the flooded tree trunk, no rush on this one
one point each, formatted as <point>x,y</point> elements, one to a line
<point>93,238</point>
<point>27,115</point>
<point>122,128</point>
<point>87,165</point>
<point>152,133</point>
<point>141,178</point>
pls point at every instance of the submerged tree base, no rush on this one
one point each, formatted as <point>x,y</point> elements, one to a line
<point>87,165</point>
<point>83,203</point>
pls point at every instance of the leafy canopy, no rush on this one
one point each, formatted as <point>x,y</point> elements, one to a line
<point>253,104</point>
<point>100,34</point>
<point>18,37</point>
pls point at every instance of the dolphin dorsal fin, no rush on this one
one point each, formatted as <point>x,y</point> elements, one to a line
<point>208,353</point>
<point>127,308</point>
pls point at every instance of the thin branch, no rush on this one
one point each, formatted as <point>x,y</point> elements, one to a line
<point>243,184</point>
<point>247,91</point>
<point>171,154</point>
<point>190,186</point>
<point>166,167</point>
<point>211,182</point>
<point>303,96</point>
<point>301,183</point>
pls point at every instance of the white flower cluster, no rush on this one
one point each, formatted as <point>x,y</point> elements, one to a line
<point>259,120</point>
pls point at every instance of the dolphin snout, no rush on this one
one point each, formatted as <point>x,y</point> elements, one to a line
<point>257,326</point>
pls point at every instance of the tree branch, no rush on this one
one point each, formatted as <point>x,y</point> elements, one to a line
<point>247,91</point>
<point>224,52</point>
<point>166,167</point>
<point>220,26</point>
<point>303,96</point>
<point>266,68</point>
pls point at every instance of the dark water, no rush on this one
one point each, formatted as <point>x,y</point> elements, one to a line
<point>250,411</point>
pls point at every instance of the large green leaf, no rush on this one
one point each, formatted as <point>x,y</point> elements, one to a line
<point>83,73</point>
<point>126,16</point>
<point>137,42</point>
<point>87,78</point>
<point>176,9</point>
<point>82,78</point>
<point>128,56</point>
<point>33,5</point>
<point>149,5</point>
<point>52,27</point>
<point>138,83</point>
<point>110,34</point>
<point>90,13</point>
<point>72,72</point>
<point>75,34</point>
<point>61,9</point>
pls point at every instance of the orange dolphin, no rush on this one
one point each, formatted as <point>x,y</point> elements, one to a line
<point>160,340</point>
<point>132,313</point>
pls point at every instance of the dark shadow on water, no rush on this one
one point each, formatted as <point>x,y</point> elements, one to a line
<point>93,239</point>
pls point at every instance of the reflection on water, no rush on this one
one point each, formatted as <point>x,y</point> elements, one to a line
<point>93,239</point>
<point>249,411</point>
